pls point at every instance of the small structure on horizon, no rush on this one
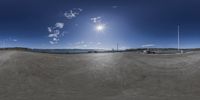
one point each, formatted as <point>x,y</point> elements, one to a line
<point>148,50</point>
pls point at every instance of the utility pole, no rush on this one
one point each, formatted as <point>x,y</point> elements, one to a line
<point>3,44</point>
<point>117,47</point>
<point>178,37</point>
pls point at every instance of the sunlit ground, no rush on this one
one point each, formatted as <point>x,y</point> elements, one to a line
<point>104,76</point>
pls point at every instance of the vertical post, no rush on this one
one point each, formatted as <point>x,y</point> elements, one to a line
<point>3,44</point>
<point>178,37</point>
<point>117,47</point>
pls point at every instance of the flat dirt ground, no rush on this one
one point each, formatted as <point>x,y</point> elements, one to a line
<point>103,76</point>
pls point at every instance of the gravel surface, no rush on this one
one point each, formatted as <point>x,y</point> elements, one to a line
<point>103,76</point>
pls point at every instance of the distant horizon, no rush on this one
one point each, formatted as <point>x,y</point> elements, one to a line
<point>91,48</point>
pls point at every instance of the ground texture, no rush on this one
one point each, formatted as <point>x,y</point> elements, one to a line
<point>104,76</point>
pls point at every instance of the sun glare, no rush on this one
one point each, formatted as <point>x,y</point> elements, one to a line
<point>100,28</point>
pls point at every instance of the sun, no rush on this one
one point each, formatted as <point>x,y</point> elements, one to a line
<point>100,27</point>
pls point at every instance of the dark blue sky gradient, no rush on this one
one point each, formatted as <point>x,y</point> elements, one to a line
<point>132,24</point>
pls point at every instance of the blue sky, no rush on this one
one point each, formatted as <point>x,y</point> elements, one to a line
<point>73,23</point>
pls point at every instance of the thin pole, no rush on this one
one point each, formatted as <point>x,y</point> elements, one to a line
<point>178,37</point>
<point>3,44</point>
<point>117,46</point>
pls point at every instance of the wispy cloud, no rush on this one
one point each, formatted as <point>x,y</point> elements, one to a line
<point>123,48</point>
<point>14,40</point>
<point>115,7</point>
<point>80,43</point>
<point>49,29</point>
<point>10,39</point>
<point>8,42</point>
<point>99,43</point>
<point>148,45</point>
<point>84,45</point>
<point>96,20</point>
<point>52,42</point>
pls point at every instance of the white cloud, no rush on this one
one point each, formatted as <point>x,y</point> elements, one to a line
<point>72,13</point>
<point>96,19</point>
<point>54,34</point>
<point>59,25</point>
<point>49,29</point>
<point>53,42</point>
<point>55,31</point>
<point>148,45</point>
<point>55,39</point>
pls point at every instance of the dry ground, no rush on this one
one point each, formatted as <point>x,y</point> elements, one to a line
<point>104,76</point>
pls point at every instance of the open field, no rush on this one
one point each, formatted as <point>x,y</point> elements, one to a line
<point>101,76</point>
